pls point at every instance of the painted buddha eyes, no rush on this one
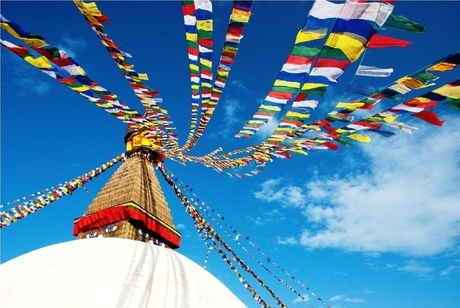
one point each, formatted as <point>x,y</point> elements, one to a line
<point>144,234</point>
<point>106,230</point>
<point>110,229</point>
<point>92,234</point>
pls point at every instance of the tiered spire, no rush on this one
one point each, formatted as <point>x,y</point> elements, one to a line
<point>131,204</point>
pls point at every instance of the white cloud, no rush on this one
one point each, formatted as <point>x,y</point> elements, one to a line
<point>367,291</point>
<point>180,226</point>
<point>267,129</point>
<point>354,300</point>
<point>37,86</point>
<point>403,198</point>
<point>231,108</point>
<point>287,241</point>
<point>299,300</point>
<point>344,298</point>
<point>72,45</point>
<point>416,268</point>
<point>449,270</point>
<point>336,298</point>
<point>286,195</point>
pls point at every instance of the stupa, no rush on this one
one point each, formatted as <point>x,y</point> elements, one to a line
<point>124,255</point>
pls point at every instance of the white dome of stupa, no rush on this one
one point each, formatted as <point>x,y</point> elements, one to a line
<point>109,272</point>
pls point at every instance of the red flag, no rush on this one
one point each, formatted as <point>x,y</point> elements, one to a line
<point>331,145</point>
<point>382,41</point>
<point>428,116</point>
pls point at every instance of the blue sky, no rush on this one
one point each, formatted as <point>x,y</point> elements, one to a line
<point>374,225</point>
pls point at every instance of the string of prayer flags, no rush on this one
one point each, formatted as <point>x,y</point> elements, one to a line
<point>15,30</point>
<point>39,201</point>
<point>148,97</point>
<point>419,105</point>
<point>348,37</point>
<point>79,82</point>
<point>343,30</point>
<point>192,203</point>
<point>239,17</point>
<point>292,76</point>
<point>351,31</point>
<point>191,38</point>
<point>203,226</point>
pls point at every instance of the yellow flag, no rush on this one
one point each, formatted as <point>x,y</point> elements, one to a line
<point>206,62</point>
<point>360,138</point>
<point>275,139</point>
<point>442,67</point>
<point>311,35</point>
<point>314,127</point>
<point>297,114</point>
<point>240,16</point>
<point>352,47</point>
<point>143,76</point>
<point>351,106</point>
<point>81,89</point>
<point>284,129</point>
<point>411,82</point>
<point>309,86</point>
<point>284,83</point>
<point>204,25</point>
<point>193,67</point>
<point>272,108</point>
<point>448,91</point>
<point>33,42</point>
<point>40,62</point>
<point>299,151</point>
<point>388,118</point>
<point>222,73</point>
<point>191,36</point>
